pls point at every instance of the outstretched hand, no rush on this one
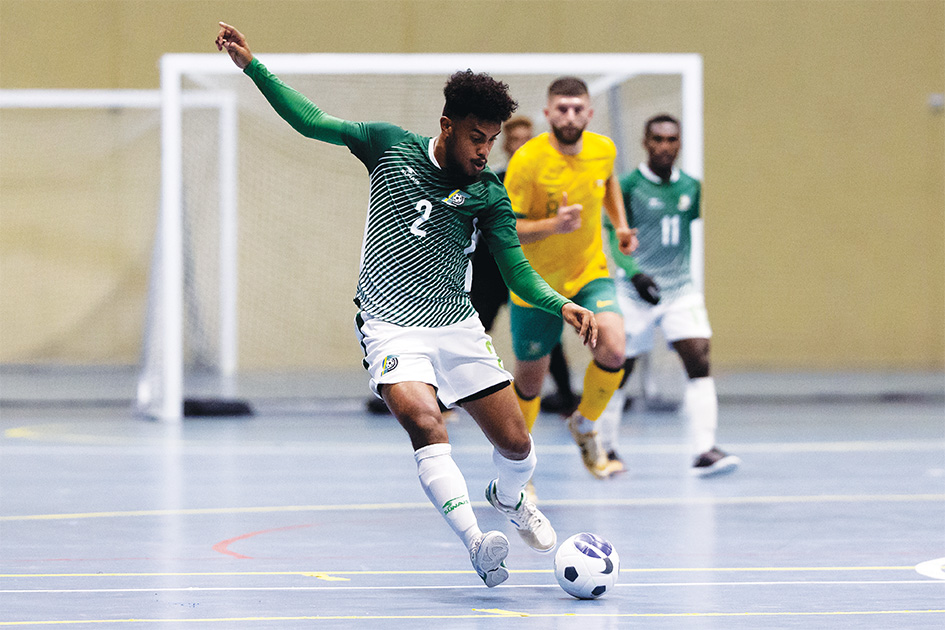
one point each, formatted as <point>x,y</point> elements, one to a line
<point>233,42</point>
<point>583,321</point>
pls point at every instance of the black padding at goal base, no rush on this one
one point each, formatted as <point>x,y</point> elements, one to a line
<point>215,407</point>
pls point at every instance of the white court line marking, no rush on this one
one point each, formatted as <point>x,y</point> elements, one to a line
<point>932,568</point>
<point>605,503</point>
<point>319,574</point>
<point>478,613</point>
<point>66,437</point>
<point>190,589</point>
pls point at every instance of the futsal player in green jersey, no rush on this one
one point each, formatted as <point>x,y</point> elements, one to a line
<point>423,343</point>
<point>655,289</point>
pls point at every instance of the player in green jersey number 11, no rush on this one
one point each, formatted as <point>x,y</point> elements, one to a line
<point>423,343</point>
<point>656,289</point>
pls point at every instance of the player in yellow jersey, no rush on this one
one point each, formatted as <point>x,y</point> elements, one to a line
<point>558,182</point>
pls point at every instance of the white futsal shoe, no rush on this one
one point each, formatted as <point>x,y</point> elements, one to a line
<point>532,525</point>
<point>487,554</point>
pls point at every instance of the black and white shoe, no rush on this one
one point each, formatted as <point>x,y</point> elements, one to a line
<point>715,462</point>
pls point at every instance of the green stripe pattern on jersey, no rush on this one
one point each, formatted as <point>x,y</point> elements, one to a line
<point>662,213</point>
<point>418,237</point>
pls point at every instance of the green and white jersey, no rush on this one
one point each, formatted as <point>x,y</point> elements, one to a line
<point>418,235</point>
<point>662,213</point>
<point>417,238</point>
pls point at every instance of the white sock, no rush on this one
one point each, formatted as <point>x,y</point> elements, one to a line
<point>701,410</point>
<point>445,486</point>
<point>608,425</point>
<point>513,475</point>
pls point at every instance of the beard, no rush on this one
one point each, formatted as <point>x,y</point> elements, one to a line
<point>455,171</point>
<point>567,135</point>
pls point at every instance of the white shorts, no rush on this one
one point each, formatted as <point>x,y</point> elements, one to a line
<point>682,318</point>
<point>458,360</point>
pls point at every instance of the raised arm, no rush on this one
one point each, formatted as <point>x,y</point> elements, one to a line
<point>301,113</point>
<point>234,43</point>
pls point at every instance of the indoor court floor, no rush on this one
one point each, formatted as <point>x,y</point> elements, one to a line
<point>312,517</point>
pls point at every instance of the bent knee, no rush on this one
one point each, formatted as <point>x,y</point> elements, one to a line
<point>516,446</point>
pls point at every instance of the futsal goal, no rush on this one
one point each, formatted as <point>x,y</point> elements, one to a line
<point>274,296</point>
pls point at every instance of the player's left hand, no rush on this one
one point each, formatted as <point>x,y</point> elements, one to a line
<point>646,287</point>
<point>583,321</point>
<point>627,240</point>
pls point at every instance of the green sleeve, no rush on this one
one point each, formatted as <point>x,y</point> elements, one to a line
<point>525,281</point>
<point>367,141</point>
<point>302,114</point>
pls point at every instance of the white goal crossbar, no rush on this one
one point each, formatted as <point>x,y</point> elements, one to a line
<point>174,67</point>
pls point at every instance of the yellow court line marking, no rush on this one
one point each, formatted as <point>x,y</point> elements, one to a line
<point>606,503</point>
<point>501,613</point>
<point>402,587</point>
<point>488,615</point>
<point>322,574</point>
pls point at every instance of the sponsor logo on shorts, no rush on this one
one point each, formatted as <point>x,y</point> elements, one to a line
<point>452,504</point>
<point>456,198</point>
<point>603,303</point>
<point>390,364</point>
<point>491,350</point>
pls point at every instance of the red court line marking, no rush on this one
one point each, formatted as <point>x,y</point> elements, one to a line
<point>221,547</point>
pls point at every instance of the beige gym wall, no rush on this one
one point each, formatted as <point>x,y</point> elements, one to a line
<point>824,163</point>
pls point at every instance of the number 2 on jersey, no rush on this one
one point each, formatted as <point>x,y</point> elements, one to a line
<point>424,207</point>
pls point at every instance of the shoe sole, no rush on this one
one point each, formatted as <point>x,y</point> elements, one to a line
<point>612,469</point>
<point>493,550</point>
<point>724,466</point>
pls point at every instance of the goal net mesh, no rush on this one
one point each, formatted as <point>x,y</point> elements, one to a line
<point>302,207</point>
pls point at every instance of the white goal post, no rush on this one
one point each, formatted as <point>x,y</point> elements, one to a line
<point>182,73</point>
<point>72,103</point>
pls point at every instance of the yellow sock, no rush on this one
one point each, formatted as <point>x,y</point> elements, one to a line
<point>530,408</point>
<point>599,386</point>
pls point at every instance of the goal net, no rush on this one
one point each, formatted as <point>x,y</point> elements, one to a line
<point>278,299</point>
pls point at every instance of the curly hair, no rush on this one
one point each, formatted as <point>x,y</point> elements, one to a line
<point>478,94</point>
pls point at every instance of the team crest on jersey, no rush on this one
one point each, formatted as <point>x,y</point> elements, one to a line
<point>456,198</point>
<point>654,203</point>
<point>390,364</point>
<point>685,202</point>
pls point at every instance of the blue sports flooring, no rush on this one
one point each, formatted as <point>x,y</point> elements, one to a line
<point>313,518</point>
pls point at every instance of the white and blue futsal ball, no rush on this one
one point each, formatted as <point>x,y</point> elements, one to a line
<point>586,566</point>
